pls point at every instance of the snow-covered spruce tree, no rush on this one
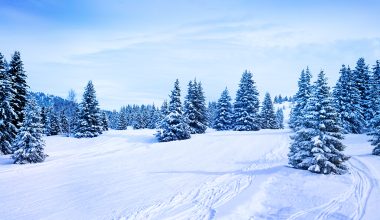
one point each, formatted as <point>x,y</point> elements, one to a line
<point>173,126</point>
<point>375,132</point>
<point>20,87</point>
<point>375,94</point>
<point>122,122</point>
<point>195,110</point>
<point>105,122</point>
<point>29,145</point>
<point>64,122</point>
<point>280,118</point>
<point>375,98</point>
<point>316,145</point>
<point>55,126</point>
<point>7,114</point>
<point>267,115</point>
<point>211,114</point>
<point>362,80</point>
<point>89,116</point>
<point>223,115</point>
<point>347,102</point>
<point>246,106</point>
<point>300,99</point>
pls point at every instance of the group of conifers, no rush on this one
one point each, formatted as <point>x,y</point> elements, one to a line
<point>319,117</point>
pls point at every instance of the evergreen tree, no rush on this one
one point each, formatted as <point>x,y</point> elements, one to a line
<point>122,124</point>
<point>195,110</point>
<point>347,102</point>
<point>164,109</point>
<point>267,115</point>
<point>64,122</point>
<point>7,114</point>
<point>55,126</point>
<point>105,122</point>
<point>89,116</point>
<point>316,145</point>
<point>29,144</point>
<point>246,105</point>
<point>375,94</point>
<point>173,126</point>
<point>212,109</point>
<point>280,118</point>
<point>20,87</point>
<point>362,83</point>
<point>301,97</point>
<point>224,115</point>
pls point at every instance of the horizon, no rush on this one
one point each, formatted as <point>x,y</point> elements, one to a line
<point>134,51</point>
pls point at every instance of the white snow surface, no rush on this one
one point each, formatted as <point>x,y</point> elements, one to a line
<point>217,175</point>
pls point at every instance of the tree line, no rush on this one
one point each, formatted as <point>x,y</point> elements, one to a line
<point>320,117</point>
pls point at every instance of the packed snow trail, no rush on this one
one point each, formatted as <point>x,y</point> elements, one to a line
<point>201,203</point>
<point>356,197</point>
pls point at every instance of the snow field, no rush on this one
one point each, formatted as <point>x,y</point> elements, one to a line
<point>221,175</point>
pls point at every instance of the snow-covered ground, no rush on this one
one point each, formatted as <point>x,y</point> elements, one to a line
<point>221,175</point>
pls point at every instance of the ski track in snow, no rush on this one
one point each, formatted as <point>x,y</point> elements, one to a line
<point>200,203</point>
<point>362,185</point>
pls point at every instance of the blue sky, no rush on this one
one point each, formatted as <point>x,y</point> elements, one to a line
<point>134,50</point>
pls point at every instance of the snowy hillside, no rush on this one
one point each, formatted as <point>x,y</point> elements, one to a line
<point>221,175</point>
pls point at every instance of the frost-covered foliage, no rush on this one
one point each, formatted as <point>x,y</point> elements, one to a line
<point>173,126</point>
<point>267,115</point>
<point>362,80</point>
<point>20,87</point>
<point>316,145</point>
<point>64,124</point>
<point>139,117</point>
<point>280,118</point>
<point>347,101</point>
<point>375,122</point>
<point>300,99</point>
<point>375,95</point>
<point>89,120</point>
<point>7,114</point>
<point>211,113</point>
<point>105,121</point>
<point>246,105</point>
<point>195,111</point>
<point>29,145</point>
<point>223,115</point>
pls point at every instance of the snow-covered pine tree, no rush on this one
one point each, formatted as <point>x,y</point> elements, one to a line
<point>195,110</point>
<point>375,99</point>
<point>20,87</point>
<point>154,117</point>
<point>223,115</point>
<point>316,145</point>
<point>7,114</point>
<point>105,122</point>
<point>64,122</point>
<point>164,108</point>
<point>55,126</point>
<point>200,105</point>
<point>267,115</point>
<point>29,145</point>
<point>280,118</point>
<point>362,80</point>
<point>173,126</point>
<point>89,116</point>
<point>300,99</point>
<point>375,94</point>
<point>211,114</point>
<point>347,102</point>
<point>246,106</point>
<point>122,122</point>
